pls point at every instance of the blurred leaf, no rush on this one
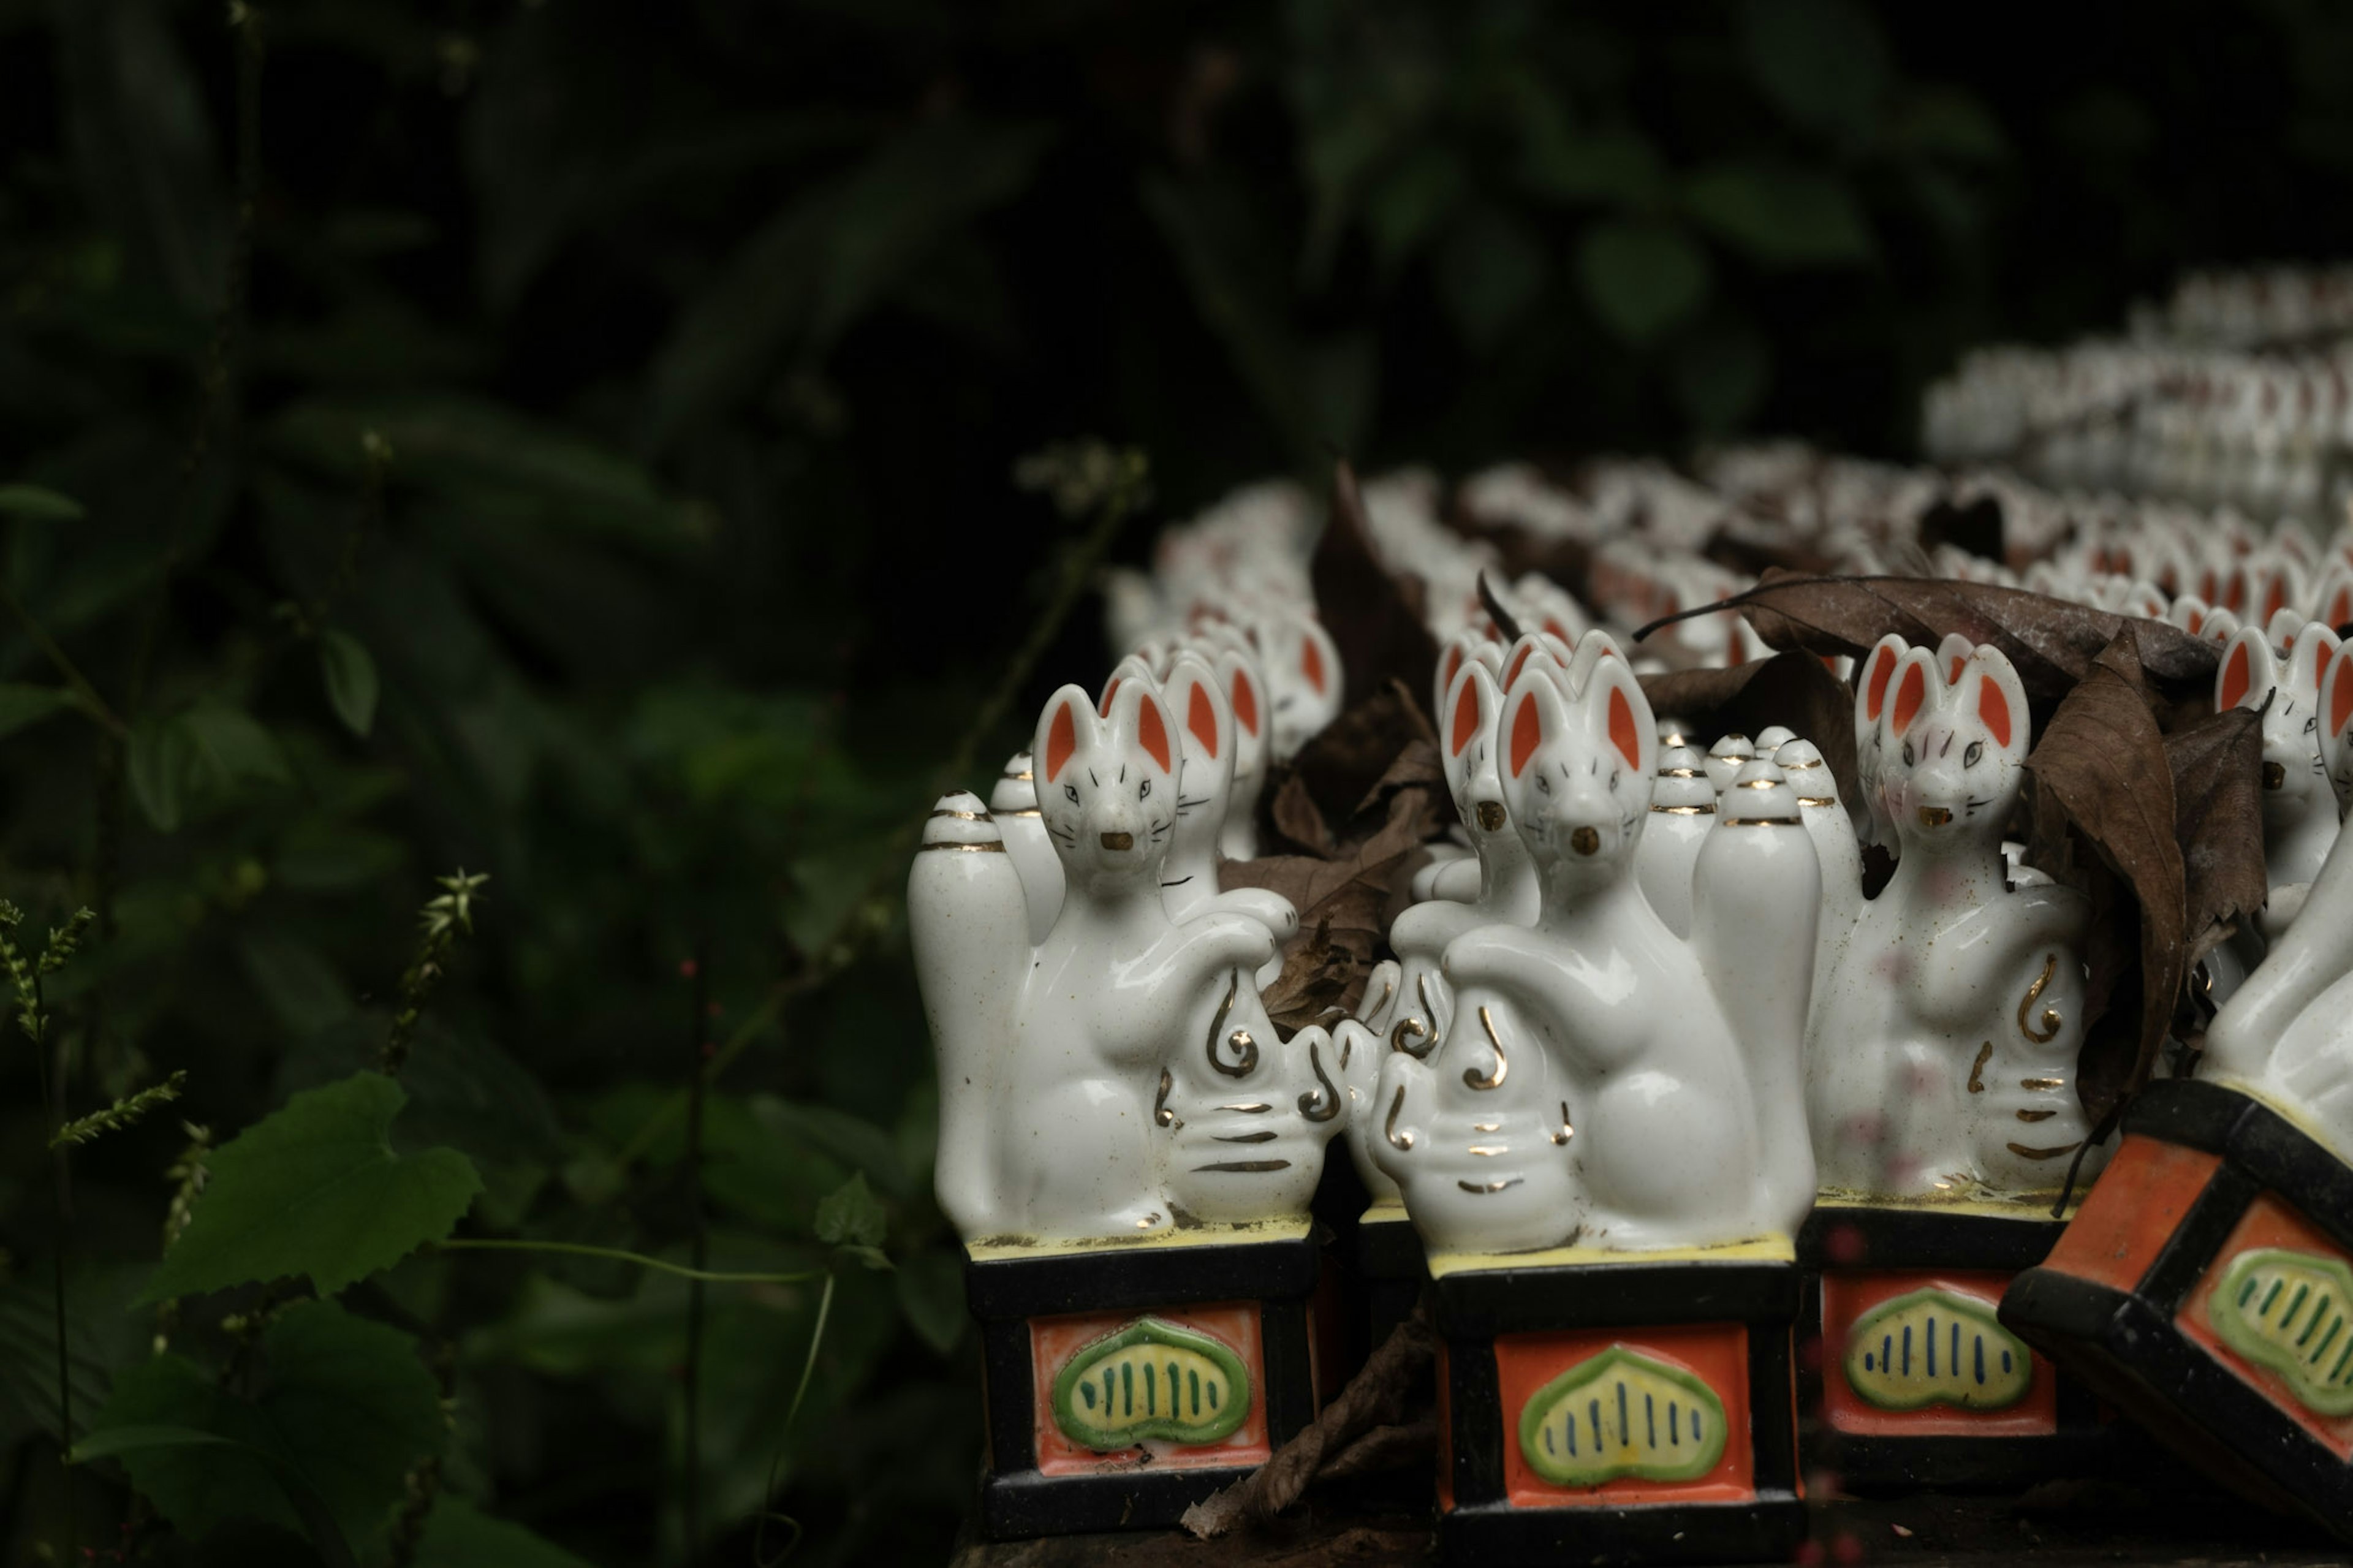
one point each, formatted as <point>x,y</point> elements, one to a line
<point>158,760</point>
<point>136,122</point>
<point>1822,62</point>
<point>460,1535</point>
<point>30,503</point>
<point>931,1293</point>
<point>21,704</point>
<point>300,985</point>
<point>1411,201</point>
<point>349,674</point>
<point>1615,165</point>
<point>490,459</point>
<point>856,1143</point>
<point>1779,214</point>
<point>316,1190</point>
<point>29,1359</point>
<point>850,1216</point>
<point>1720,374</point>
<point>1490,268</point>
<point>347,1410</point>
<point>226,747</point>
<point>1640,277</point>
<point>812,271</point>
<point>1945,121</point>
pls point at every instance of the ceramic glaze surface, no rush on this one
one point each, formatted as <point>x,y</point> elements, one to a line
<point>2287,1031</point>
<point>1591,1083</point>
<point>1067,1065</point>
<point>1410,1004</point>
<point>2300,806</point>
<point>1941,1054</point>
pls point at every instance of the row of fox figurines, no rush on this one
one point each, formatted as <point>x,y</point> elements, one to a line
<point>1643,1004</point>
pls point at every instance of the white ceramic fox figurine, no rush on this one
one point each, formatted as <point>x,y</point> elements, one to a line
<point>1206,739</point>
<point>1871,685</point>
<point>1408,1003</point>
<point>1301,666</point>
<point>1942,1053</point>
<point>1591,1085</point>
<point>1049,1055</point>
<point>1013,804</point>
<point>1683,814</point>
<point>2286,1035</point>
<point>2299,802</point>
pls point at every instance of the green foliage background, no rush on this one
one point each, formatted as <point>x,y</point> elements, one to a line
<point>571,441</point>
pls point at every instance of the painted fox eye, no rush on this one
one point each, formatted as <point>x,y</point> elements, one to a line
<point>1969,758</point>
<point>1907,753</point>
<point>1073,791</point>
<point>1544,785</point>
<point>1613,778</point>
<point>1143,789</point>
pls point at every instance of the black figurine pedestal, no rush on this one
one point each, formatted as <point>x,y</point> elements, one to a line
<point>1127,1382</point>
<point>1920,1384</point>
<point>2207,1288</point>
<point>1618,1408</point>
<point>1388,1263</point>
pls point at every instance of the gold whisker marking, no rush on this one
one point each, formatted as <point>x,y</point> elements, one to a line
<point>1470,1076</point>
<point>2049,1019</point>
<point>967,848</point>
<point>1977,1068</point>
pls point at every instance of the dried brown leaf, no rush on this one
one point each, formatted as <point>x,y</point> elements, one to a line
<point>2102,761</point>
<point>1375,619</point>
<point>2217,801</point>
<point>1792,688</point>
<point>2051,642</point>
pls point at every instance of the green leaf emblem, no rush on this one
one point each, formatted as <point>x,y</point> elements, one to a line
<point>1622,1413</point>
<point>2289,1312</point>
<point>1151,1379</point>
<point>316,1189</point>
<point>1935,1346</point>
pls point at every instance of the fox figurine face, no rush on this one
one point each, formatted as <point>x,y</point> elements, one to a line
<point>1578,773</point>
<point>1953,741</point>
<point>1874,683</point>
<point>1107,785</point>
<point>2299,801</point>
<point>2336,723</point>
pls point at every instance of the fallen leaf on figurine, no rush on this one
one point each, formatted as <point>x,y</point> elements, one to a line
<point>2051,643</point>
<point>1375,619</point>
<point>2217,796</point>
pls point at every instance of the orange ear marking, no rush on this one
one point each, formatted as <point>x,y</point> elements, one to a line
<point>1519,661</point>
<point>2340,608</point>
<point>1311,662</point>
<point>1993,711</point>
<point>1202,718</point>
<point>1150,733</point>
<point>1622,733</point>
<point>1875,686</point>
<point>1062,740</point>
<point>2274,600</point>
<point>1453,666</point>
<point>1953,676</point>
<point>2196,620</point>
<point>1466,718</point>
<point>1555,627</point>
<point>1109,693</point>
<point>1245,702</point>
<point>1527,733</point>
<point>2340,698</point>
<point>2235,678</point>
<point>1908,698</point>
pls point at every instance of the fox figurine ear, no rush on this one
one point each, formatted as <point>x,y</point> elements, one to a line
<point>1912,692</point>
<point>1953,656</point>
<point>1621,715</point>
<point>1199,707</point>
<point>1467,709</point>
<point>1140,720</point>
<point>1135,666</point>
<point>1874,682</point>
<point>1591,648</point>
<point>2308,654</point>
<point>1990,686</point>
<point>1533,647</point>
<point>2247,670</point>
<point>1068,726</point>
<point>1535,711</point>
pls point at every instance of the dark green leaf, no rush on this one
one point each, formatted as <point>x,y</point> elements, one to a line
<point>1720,374</point>
<point>228,747</point>
<point>158,760</point>
<point>1822,62</point>
<point>1642,278</point>
<point>851,1215</point>
<point>349,674</point>
<point>300,988</point>
<point>858,1144</point>
<point>31,503</point>
<point>1490,268</point>
<point>21,704</point>
<point>315,1189</point>
<point>1780,215</point>
<point>1947,122</point>
<point>460,1535</point>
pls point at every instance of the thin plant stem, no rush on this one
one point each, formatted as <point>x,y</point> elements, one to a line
<point>85,695</point>
<point>583,1249</point>
<point>691,1478</point>
<point>817,1338</point>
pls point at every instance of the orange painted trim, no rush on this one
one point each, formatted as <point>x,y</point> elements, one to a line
<point>2132,1212</point>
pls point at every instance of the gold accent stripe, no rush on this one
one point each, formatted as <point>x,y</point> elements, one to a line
<point>1026,776</point>
<point>1470,1076</point>
<point>1977,1068</point>
<point>1021,811</point>
<point>1682,773</point>
<point>2043,1083</point>
<point>1486,1187</point>
<point>1757,783</point>
<point>2023,1153</point>
<point>1686,810</point>
<point>961,815</point>
<point>1758,822</point>
<point>1818,800</point>
<point>2049,1019</point>
<point>968,848</point>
